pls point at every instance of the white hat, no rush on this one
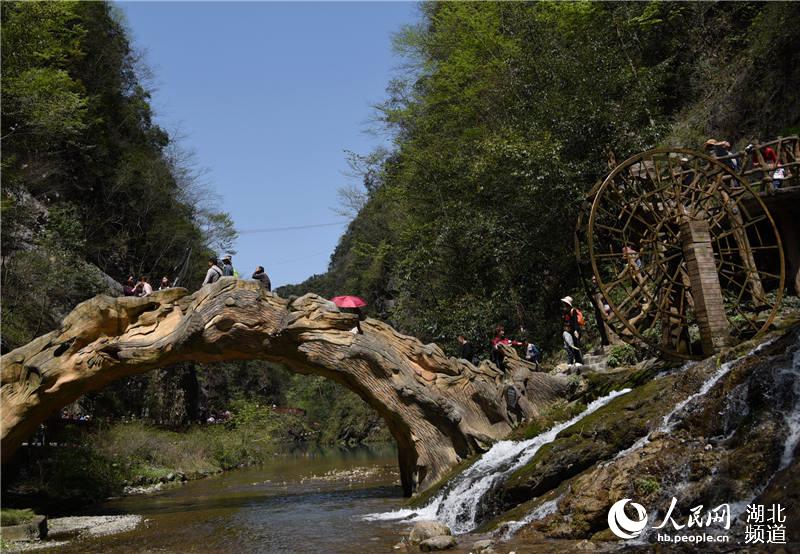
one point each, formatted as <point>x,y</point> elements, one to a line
<point>567,300</point>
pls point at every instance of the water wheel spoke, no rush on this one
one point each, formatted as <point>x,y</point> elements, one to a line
<point>648,204</point>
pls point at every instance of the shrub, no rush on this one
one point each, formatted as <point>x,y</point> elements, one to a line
<point>622,354</point>
<point>10,516</point>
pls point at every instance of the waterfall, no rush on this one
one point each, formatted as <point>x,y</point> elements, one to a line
<point>666,423</point>
<point>793,418</point>
<point>457,504</point>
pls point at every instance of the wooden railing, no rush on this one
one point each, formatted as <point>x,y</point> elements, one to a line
<point>757,172</point>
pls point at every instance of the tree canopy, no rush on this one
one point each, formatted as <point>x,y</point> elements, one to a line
<point>88,178</point>
<point>507,114</point>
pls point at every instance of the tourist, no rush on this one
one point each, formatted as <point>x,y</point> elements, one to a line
<point>129,288</point>
<point>632,256</point>
<point>213,273</point>
<point>497,355</point>
<point>767,154</point>
<point>777,177</point>
<point>573,324</point>
<point>165,283</point>
<point>467,351</point>
<point>721,149</point>
<point>227,266</point>
<point>688,174</point>
<point>260,275</point>
<point>143,287</point>
<point>533,354</point>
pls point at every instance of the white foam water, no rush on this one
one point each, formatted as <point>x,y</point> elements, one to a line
<point>666,422</point>
<point>541,512</point>
<point>456,506</point>
<point>793,418</point>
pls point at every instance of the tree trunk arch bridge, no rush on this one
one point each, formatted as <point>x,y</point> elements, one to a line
<point>440,410</point>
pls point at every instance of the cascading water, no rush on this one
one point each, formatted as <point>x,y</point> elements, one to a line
<point>457,504</point>
<point>541,512</point>
<point>667,424</point>
<point>793,418</point>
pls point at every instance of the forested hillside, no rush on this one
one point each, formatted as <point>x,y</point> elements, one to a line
<point>502,117</point>
<point>93,191</point>
<point>89,180</point>
<point>506,114</point>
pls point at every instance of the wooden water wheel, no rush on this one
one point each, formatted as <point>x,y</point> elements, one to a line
<point>680,254</point>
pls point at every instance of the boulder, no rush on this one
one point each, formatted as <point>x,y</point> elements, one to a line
<point>424,530</point>
<point>442,542</point>
<point>482,546</point>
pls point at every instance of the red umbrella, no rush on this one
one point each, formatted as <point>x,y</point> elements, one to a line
<point>348,301</point>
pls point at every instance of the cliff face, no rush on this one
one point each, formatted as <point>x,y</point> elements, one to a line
<point>439,410</point>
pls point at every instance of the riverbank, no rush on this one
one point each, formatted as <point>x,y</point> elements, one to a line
<point>86,466</point>
<point>306,499</point>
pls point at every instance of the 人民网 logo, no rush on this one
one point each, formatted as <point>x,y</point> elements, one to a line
<point>623,526</point>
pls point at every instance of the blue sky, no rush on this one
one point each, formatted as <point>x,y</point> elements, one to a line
<point>269,96</point>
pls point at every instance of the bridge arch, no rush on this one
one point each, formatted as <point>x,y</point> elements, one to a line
<point>439,410</point>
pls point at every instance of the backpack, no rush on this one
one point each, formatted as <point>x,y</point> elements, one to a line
<point>533,354</point>
<point>580,318</point>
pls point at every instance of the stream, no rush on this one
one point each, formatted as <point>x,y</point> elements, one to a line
<point>310,500</point>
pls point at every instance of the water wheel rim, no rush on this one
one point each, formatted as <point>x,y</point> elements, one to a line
<point>600,191</point>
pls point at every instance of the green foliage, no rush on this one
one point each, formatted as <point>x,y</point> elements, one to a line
<point>505,119</point>
<point>10,516</point>
<point>647,486</point>
<point>100,463</point>
<point>622,354</point>
<point>87,177</point>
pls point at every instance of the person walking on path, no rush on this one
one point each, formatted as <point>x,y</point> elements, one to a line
<point>467,351</point>
<point>213,273</point>
<point>573,328</point>
<point>260,275</point>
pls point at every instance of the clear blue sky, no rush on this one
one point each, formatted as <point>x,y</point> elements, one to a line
<point>269,95</point>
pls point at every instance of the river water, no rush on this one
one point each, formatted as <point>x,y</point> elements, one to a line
<point>304,501</point>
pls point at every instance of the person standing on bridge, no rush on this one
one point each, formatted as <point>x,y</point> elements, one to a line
<point>497,356</point>
<point>227,267</point>
<point>129,288</point>
<point>143,287</point>
<point>214,272</point>
<point>261,275</point>
<point>467,351</point>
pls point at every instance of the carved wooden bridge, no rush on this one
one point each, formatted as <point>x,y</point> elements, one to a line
<point>440,410</point>
<point>708,257</point>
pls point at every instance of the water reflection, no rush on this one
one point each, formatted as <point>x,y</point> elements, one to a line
<point>304,500</point>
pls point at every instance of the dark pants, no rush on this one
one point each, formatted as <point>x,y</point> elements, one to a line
<point>573,350</point>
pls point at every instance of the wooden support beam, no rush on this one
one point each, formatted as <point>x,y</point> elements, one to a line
<point>709,305</point>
